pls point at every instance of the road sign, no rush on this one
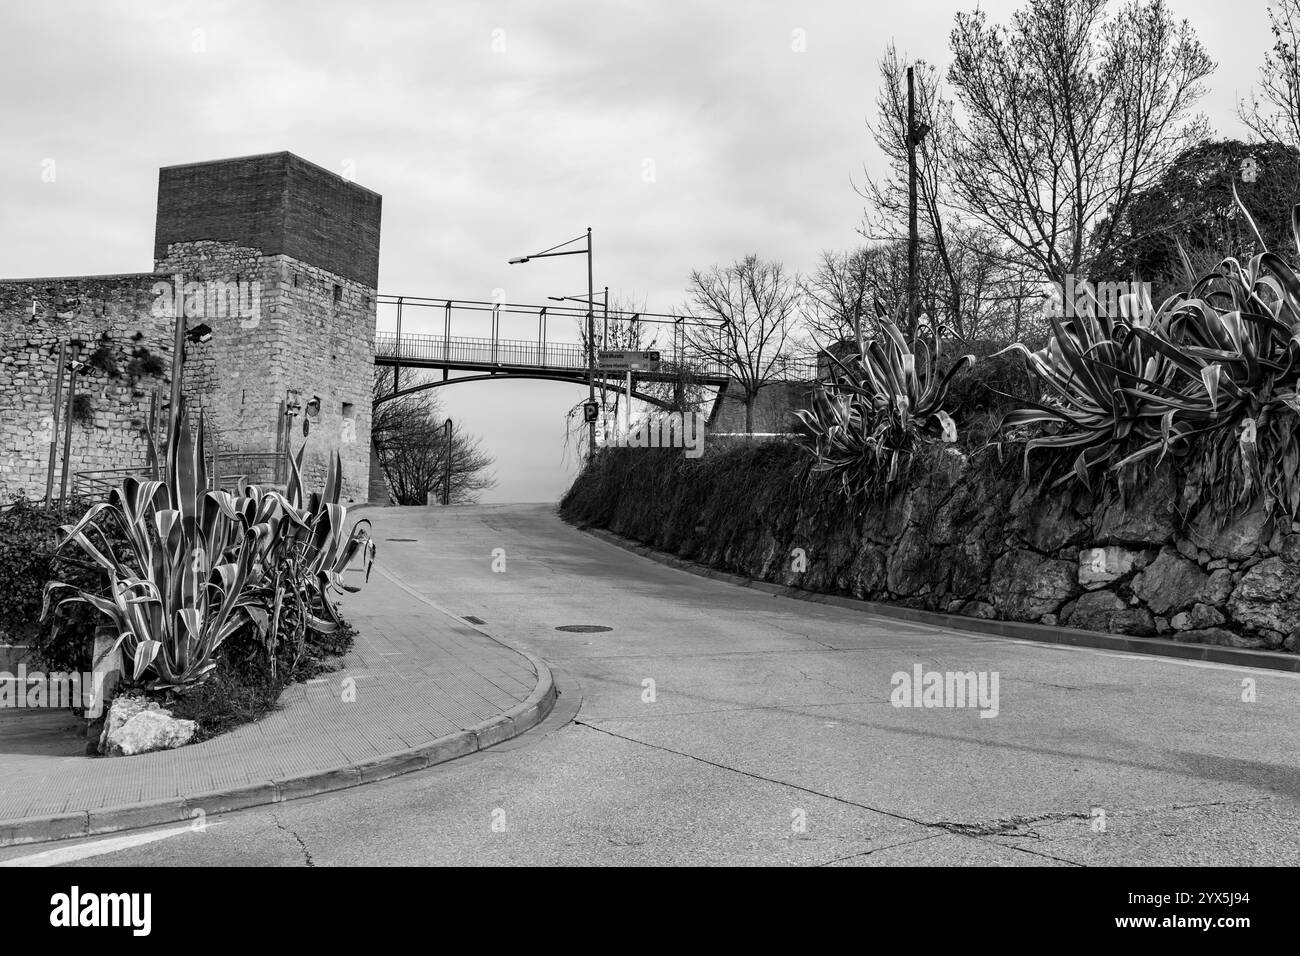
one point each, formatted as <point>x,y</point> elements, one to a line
<point>629,361</point>
<point>590,411</point>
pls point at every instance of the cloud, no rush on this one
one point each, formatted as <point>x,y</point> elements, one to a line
<point>492,129</point>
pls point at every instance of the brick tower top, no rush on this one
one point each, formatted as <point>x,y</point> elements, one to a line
<point>278,203</point>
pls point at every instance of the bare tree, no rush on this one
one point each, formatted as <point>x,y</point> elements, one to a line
<point>962,263</point>
<point>409,437</point>
<point>840,297</point>
<point>1065,114</point>
<point>757,303</point>
<point>1273,110</point>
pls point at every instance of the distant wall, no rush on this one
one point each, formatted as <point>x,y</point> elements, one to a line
<point>967,538</point>
<point>774,407</point>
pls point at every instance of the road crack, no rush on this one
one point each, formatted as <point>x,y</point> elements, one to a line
<point>1007,825</point>
<point>305,852</point>
<point>946,827</point>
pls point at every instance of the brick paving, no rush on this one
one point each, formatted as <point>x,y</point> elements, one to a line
<point>419,675</point>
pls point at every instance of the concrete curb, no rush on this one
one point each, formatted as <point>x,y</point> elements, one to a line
<point>1042,633</point>
<point>196,809</point>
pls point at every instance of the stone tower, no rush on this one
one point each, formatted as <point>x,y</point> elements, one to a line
<point>279,258</point>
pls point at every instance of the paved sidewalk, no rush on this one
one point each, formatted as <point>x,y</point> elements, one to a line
<point>428,687</point>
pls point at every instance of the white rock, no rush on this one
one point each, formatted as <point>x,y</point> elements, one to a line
<point>1101,566</point>
<point>136,725</point>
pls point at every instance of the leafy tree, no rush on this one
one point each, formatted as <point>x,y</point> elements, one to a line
<point>1192,203</point>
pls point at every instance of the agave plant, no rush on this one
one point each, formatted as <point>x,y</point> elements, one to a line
<point>174,593</point>
<point>879,406</point>
<point>1099,382</point>
<point>305,561</point>
<point>200,564</point>
<point>1214,370</point>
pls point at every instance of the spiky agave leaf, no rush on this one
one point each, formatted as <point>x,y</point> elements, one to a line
<point>881,403</point>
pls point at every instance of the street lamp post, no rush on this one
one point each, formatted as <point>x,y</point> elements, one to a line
<point>74,366</point>
<point>178,347</point>
<point>446,480</point>
<point>591,321</point>
<point>54,424</point>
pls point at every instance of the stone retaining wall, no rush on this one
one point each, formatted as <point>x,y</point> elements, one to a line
<point>968,539</point>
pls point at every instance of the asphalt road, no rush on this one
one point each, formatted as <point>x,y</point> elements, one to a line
<point>716,724</point>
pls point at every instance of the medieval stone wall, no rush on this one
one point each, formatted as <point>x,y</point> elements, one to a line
<point>278,258</point>
<point>82,309</point>
<point>296,334</point>
<point>327,354</point>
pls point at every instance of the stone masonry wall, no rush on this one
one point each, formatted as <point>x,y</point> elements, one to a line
<point>279,258</point>
<point>964,539</point>
<point>328,353</point>
<point>79,308</point>
<point>299,333</point>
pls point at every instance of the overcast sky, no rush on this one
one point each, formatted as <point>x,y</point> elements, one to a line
<point>683,133</point>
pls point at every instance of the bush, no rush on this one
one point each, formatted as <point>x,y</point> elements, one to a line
<point>979,398</point>
<point>28,538</point>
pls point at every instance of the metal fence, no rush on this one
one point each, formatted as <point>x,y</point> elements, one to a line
<point>427,350</point>
<point>255,468</point>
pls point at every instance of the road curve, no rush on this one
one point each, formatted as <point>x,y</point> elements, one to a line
<point>719,724</point>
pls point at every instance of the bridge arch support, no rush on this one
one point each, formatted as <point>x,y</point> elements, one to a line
<point>618,387</point>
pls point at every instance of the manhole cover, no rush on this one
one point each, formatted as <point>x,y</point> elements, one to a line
<point>401,539</point>
<point>474,620</point>
<point>583,628</point>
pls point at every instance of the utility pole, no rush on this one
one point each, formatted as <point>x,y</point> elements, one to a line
<point>591,350</point>
<point>912,241</point>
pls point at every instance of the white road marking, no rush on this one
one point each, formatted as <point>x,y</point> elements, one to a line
<point>1138,656</point>
<point>69,854</point>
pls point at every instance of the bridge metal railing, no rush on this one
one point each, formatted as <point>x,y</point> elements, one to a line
<point>449,351</point>
<point>440,351</point>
